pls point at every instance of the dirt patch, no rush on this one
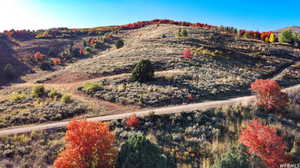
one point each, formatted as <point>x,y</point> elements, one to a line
<point>67,77</point>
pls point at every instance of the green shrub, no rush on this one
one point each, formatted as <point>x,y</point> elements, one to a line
<point>139,152</point>
<point>38,91</point>
<point>296,39</point>
<point>84,43</point>
<point>9,71</point>
<point>179,33</point>
<point>119,43</point>
<point>236,157</point>
<point>91,87</point>
<point>143,71</point>
<point>247,35</point>
<point>286,36</point>
<point>54,94</point>
<point>184,33</point>
<point>17,97</point>
<point>66,99</point>
<point>88,49</point>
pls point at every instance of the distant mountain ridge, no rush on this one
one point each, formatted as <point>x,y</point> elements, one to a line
<point>293,28</point>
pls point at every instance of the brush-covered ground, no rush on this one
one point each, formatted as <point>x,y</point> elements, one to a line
<point>221,66</point>
<point>192,139</point>
<point>30,105</point>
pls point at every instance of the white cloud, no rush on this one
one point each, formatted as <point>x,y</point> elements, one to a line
<point>22,14</point>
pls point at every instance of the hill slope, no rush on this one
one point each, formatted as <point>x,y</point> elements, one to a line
<point>222,65</point>
<point>293,28</point>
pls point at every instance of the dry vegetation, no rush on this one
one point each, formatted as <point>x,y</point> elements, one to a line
<point>192,65</point>
<point>194,139</point>
<point>221,66</point>
<point>24,106</point>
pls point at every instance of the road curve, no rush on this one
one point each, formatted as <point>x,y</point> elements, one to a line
<point>158,111</point>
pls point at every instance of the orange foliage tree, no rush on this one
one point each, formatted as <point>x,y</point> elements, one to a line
<point>39,56</point>
<point>269,94</point>
<point>132,121</point>
<point>89,144</point>
<point>263,141</point>
<point>56,61</point>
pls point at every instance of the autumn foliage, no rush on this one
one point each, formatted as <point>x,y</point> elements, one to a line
<point>265,35</point>
<point>269,94</point>
<point>132,121</point>
<point>56,61</point>
<point>19,34</point>
<point>187,53</point>
<point>81,51</point>
<point>89,144</point>
<point>39,56</point>
<point>164,21</point>
<point>263,141</point>
<point>92,41</point>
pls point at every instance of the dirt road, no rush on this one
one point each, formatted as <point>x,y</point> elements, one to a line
<point>159,111</point>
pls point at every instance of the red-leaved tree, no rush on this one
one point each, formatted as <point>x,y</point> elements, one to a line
<point>132,121</point>
<point>89,144</point>
<point>56,61</point>
<point>187,53</point>
<point>263,141</point>
<point>269,94</point>
<point>81,51</point>
<point>39,56</point>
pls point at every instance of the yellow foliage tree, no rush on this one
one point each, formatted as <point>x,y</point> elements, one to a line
<point>267,39</point>
<point>272,38</point>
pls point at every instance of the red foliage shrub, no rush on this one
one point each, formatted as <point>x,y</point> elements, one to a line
<point>92,41</point>
<point>39,56</point>
<point>88,144</point>
<point>263,141</point>
<point>19,34</point>
<point>269,94</point>
<point>56,61</point>
<point>81,51</point>
<point>187,53</point>
<point>252,34</point>
<point>164,21</point>
<point>132,121</point>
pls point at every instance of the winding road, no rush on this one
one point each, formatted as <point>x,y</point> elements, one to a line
<point>158,111</point>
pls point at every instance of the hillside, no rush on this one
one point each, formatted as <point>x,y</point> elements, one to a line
<point>293,28</point>
<point>65,74</point>
<point>222,65</point>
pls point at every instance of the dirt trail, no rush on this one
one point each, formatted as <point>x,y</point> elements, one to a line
<point>71,89</point>
<point>159,111</point>
<point>107,108</point>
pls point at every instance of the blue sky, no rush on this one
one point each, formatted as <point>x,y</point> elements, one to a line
<point>262,15</point>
